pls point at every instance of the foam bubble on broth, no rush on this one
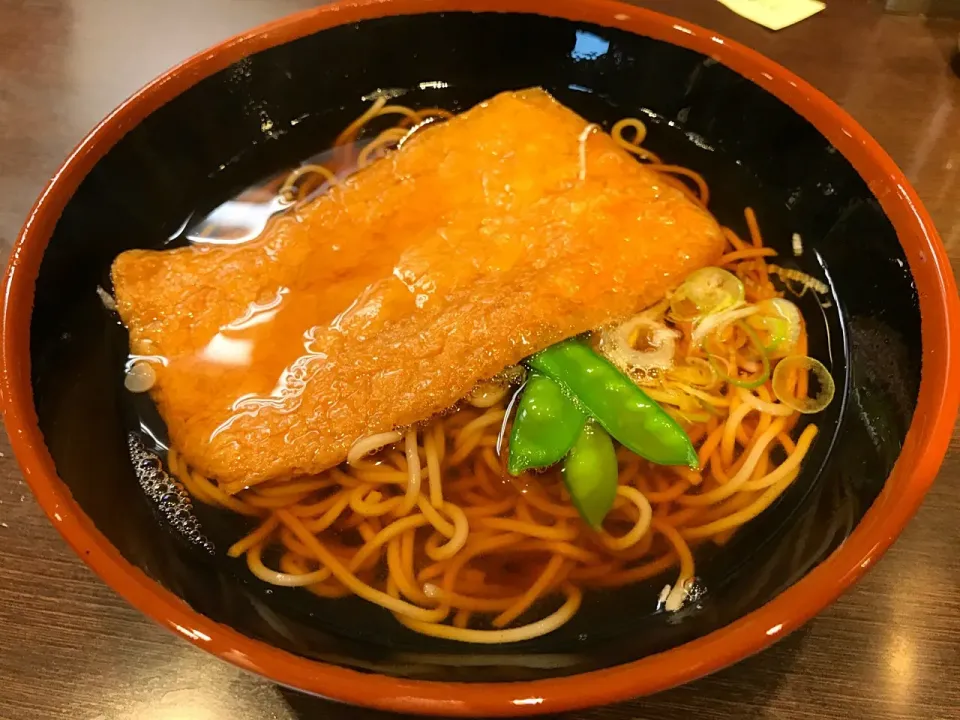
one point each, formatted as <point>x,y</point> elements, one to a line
<point>166,493</point>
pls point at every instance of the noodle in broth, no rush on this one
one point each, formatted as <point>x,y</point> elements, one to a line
<point>427,523</point>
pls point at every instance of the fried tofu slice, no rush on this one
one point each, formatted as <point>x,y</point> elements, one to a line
<point>384,301</point>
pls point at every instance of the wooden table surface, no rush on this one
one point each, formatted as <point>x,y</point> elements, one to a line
<point>70,648</point>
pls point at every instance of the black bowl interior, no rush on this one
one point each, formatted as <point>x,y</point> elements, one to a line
<point>269,111</point>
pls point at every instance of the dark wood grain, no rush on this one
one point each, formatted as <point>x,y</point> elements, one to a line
<point>70,648</point>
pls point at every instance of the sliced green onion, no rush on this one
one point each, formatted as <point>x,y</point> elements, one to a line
<point>783,384</point>
<point>715,323</point>
<point>618,345</point>
<point>695,371</point>
<point>747,383</point>
<point>779,323</point>
<point>707,291</point>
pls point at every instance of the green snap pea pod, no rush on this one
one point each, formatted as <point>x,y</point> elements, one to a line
<point>546,426</point>
<point>622,408</point>
<point>590,473</point>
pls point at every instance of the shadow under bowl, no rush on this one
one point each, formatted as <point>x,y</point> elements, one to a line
<point>264,101</point>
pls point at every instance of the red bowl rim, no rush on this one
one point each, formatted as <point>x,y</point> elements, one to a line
<point>924,448</point>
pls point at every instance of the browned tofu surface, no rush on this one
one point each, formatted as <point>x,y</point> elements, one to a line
<point>484,239</point>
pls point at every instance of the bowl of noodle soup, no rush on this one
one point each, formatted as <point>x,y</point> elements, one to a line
<point>794,408</point>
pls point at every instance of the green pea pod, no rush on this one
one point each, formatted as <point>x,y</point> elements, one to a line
<point>590,473</point>
<point>622,408</point>
<point>546,426</point>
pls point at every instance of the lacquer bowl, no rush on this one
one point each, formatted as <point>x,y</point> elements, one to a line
<point>260,102</point>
